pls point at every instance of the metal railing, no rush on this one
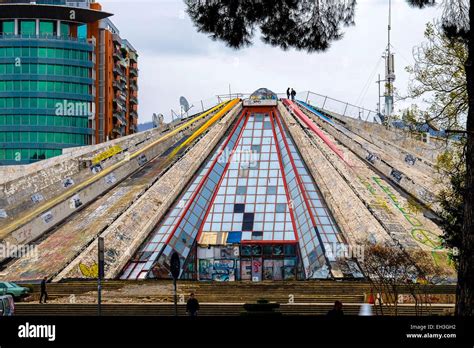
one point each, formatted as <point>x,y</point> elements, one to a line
<point>44,37</point>
<point>337,106</point>
<point>318,100</point>
<point>321,101</point>
<point>195,107</point>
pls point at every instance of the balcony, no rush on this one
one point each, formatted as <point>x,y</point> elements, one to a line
<point>122,79</point>
<point>133,56</point>
<point>117,70</point>
<point>122,64</point>
<point>133,114</point>
<point>119,104</point>
<point>118,85</point>
<point>44,36</point>
<point>133,100</point>
<point>117,55</point>
<point>117,39</point>
<point>120,116</point>
<point>134,72</point>
<point>118,131</point>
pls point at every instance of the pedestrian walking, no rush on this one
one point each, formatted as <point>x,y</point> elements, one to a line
<point>288,93</point>
<point>293,93</point>
<point>43,291</point>
<point>192,306</point>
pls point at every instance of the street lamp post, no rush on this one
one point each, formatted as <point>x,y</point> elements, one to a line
<point>100,274</point>
<point>175,270</point>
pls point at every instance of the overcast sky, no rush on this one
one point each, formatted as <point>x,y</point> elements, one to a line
<point>176,60</point>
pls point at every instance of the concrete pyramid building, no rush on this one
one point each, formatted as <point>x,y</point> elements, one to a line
<point>252,212</point>
<point>255,189</point>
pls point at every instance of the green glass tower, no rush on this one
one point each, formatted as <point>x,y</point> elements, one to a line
<point>47,81</point>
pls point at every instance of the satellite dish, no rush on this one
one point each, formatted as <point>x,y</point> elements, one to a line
<point>157,120</point>
<point>184,104</point>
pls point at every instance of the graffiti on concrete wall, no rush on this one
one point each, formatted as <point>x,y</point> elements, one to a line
<point>246,266</point>
<point>142,160</point>
<point>205,269</point>
<point>110,179</point>
<point>96,168</point>
<point>224,270</point>
<point>112,151</point>
<point>426,237</point>
<point>111,256</point>
<point>47,217</point>
<point>37,197</point>
<point>408,215</point>
<point>75,202</point>
<point>89,272</point>
<point>218,269</point>
<point>379,203</point>
<point>371,157</point>
<point>418,232</point>
<point>410,160</point>
<point>396,175</point>
<point>68,182</point>
<point>256,269</point>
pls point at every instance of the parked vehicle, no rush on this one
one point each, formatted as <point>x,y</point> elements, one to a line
<point>16,291</point>
<point>7,306</point>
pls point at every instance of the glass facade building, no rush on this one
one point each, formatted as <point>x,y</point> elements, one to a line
<point>253,212</point>
<point>45,90</point>
<point>48,78</point>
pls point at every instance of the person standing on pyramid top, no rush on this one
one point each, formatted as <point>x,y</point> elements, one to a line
<point>293,94</point>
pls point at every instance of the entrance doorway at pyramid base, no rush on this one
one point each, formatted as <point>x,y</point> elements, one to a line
<point>251,261</point>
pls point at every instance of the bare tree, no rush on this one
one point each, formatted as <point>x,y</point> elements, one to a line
<point>393,271</point>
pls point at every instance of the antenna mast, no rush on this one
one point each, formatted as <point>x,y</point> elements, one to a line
<point>389,70</point>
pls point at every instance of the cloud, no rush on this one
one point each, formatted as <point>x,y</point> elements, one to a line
<point>175,60</point>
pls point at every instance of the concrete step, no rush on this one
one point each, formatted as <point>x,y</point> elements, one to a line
<point>207,309</point>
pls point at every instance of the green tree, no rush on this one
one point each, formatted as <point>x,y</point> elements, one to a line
<point>439,78</point>
<point>311,25</point>
<point>304,25</point>
<point>413,117</point>
<point>452,164</point>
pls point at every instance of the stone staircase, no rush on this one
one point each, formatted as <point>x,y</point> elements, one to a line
<point>156,291</point>
<point>207,309</point>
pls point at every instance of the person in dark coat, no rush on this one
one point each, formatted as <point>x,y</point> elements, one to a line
<point>337,310</point>
<point>192,306</point>
<point>288,93</point>
<point>43,290</point>
<point>293,93</point>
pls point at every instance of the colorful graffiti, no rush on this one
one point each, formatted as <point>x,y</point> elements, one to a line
<point>419,233</point>
<point>106,154</point>
<point>379,201</point>
<point>246,269</point>
<point>217,269</point>
<point>256,269</point>
<point>89,272</point>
